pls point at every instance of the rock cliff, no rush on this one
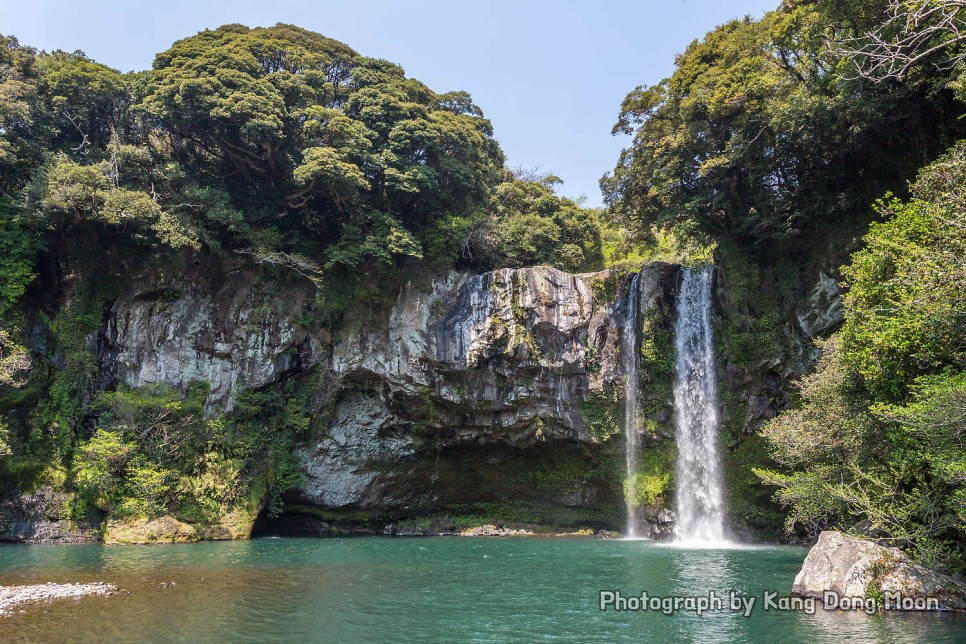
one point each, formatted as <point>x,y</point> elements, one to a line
<point>496,392</point>
<point>477,368</point>
<point>44,517</point>
<point>492,397</point>
<point>218,324</point>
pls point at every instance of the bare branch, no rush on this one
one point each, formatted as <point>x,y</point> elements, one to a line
<point>84,140</point>
<point>301,265</point>
<point>913,33</point>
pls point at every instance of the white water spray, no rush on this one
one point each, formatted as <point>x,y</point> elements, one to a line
<point>631,405</point>
<point>700,508</point>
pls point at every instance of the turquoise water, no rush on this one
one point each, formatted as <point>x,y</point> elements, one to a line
<point>425,589</point>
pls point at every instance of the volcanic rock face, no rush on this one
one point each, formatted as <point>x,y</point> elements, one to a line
<point>44,517</point>
<point>462,369</point>
<point>824,310</point>
<point>225,329</point>
<point>464,392</point>
<point>467,389</point>
<point>497,352</point>
<point>489,364</point>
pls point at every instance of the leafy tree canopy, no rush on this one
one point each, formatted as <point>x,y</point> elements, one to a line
<point>301,131</point>
<point>756,135</point>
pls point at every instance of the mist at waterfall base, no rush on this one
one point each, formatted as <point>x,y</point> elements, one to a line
<point>699,504</point>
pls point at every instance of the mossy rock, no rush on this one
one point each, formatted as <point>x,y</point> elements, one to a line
<point>142,530</point>
<point>230,527</point>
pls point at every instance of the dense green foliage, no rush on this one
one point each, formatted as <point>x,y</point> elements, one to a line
<point>305,135</point>
<point>274,141</point>
<point>155,452</point>
<point>526,224</point>
<point>774,137</point>
<point>878,441</point>
<point>756,136</point>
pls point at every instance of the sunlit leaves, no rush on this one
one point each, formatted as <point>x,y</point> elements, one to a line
<point>755,137</point>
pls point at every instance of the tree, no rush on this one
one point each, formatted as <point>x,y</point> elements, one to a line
<point>530,225</point>
<point>302,133</point>
<point>69,195</point>
<point>23,129</point>
<point>85,100</point>
<point>906,301</point>
<point>757,137</point>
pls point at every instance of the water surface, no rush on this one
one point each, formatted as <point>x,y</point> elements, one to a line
<point>425,589</point>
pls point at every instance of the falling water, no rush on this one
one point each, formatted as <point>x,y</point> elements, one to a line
<point>699,487</point>
<point>631,380</point>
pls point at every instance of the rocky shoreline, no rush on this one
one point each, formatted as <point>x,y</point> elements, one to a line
<point>485,530</point>
<point>14,596</point>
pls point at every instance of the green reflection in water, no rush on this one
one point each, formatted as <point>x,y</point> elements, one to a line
<point>432,589</point>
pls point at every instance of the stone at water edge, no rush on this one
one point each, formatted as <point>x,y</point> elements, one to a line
<point>847,566</point>
<point>165,529</point>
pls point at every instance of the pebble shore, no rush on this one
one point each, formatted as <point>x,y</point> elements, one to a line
<point>13,596</point>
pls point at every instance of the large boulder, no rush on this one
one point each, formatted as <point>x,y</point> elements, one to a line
<point>844,566</point>
<point>165,529</point>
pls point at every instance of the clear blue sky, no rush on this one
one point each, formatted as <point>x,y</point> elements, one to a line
<point>549,75</point>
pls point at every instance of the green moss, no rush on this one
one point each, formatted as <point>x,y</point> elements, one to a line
<point>609,288</point>
<point>426,415</point>
<point>260,316</point>
<point>752,329</point>
<point>561,472</point>
<point>524,513</point>
<point>653,482</point>
<point>603,415</point>
<point>657,351</point>
<point>876,571</point>
<point>18,251</point>
<point>734,416</point>
<point>54,400</point>
<point>338,516</point>
<point>268,426</point>
<point>657,370</point>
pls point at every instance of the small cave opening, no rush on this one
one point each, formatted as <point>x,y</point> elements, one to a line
<point>289,524</point>
<point>304,521</point>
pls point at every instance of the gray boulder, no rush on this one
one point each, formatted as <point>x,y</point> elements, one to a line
<point>857,568</point>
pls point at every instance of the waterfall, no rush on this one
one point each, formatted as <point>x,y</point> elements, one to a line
<point>699,506</point>
<point>631,406</point>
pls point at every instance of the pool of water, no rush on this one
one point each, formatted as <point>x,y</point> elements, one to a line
<point>428,589</point>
